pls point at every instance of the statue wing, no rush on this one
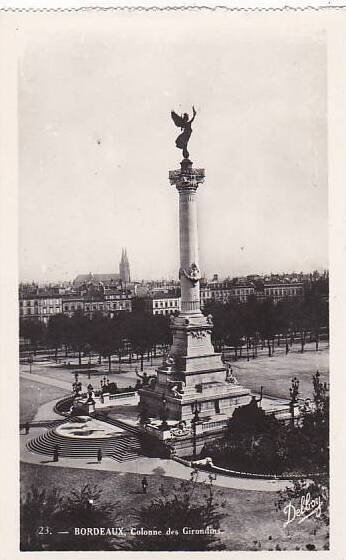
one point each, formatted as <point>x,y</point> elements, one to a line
<point>178,121</point>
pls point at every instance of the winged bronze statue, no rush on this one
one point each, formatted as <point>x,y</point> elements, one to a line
<point>184,123</point>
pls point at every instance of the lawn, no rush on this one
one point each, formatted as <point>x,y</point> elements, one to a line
<point>33,395</point>
<point>275,373</point>
<point>251,522</point>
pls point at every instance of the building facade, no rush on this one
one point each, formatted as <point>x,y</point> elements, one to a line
<point>162,303</point>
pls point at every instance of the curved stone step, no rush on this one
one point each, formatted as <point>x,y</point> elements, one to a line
<point>120,448</point>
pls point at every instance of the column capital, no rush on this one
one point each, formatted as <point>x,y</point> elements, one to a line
<point>187,178</point>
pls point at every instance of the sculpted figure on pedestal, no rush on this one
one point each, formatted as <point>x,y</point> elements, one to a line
<point>184,123</point>
<point>192,273</point>
<point>230,378</point>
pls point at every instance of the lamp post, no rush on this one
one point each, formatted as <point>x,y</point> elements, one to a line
<point>196,410</point>
<point>30,361</point>
<point>294,391</point>
<point>164,425</point>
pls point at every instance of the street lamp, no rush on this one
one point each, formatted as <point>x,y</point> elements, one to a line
<point>294,391</point>
<point>30,361</point>
<point>196,409</point>
<point>164,425</point>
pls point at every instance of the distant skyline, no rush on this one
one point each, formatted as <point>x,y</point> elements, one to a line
<point>96,142</point>
<point>52,282</point>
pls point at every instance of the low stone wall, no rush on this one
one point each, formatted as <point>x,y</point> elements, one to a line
<point>209,467</point>
<point>63,406</point>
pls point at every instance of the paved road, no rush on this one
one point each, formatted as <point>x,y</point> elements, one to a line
<point>48,381</point>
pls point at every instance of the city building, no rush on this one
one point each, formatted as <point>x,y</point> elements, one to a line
<point>279,291</point>
<point>162,303</point>
<point>40,307</point>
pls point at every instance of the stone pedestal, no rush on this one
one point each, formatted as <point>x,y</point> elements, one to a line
<point>193,374</point>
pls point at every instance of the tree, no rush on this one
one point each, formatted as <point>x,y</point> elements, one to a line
<point>54,513</point>
<point>220,330</point>
<point>267,323</point>
<point>161,333</point>
<point>57,331</point>
<point>33,330</point>
<point>38,508</point>
<point>182,519</point>
<point>140,333</point>
<point>106,341</point>
<point>84,507</point>
<point>255,442</point>
<point>119,330</point>
<point>79,333</point>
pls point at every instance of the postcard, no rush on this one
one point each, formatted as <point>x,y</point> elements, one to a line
<point>173,274</point>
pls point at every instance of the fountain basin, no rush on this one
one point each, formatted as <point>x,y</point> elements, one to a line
<point>88,428</point>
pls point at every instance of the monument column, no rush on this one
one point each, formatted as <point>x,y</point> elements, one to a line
<point>192,375</point>
<point>187,183</point>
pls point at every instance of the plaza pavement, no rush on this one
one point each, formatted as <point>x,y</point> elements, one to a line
<point>154,466</point>
<point>142,465</point>
<point>145,466</point>
<point>49,381</point>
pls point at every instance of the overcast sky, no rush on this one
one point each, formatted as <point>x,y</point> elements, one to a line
<point>96,143</point>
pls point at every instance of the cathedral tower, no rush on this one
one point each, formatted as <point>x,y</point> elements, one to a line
<point>124,267</point>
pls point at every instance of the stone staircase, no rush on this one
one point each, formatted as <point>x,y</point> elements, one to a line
<point>125,447</point>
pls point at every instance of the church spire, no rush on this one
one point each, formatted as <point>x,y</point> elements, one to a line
<point>124,266</point>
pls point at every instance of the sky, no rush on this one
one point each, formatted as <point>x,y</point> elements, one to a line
<point>96,142</point>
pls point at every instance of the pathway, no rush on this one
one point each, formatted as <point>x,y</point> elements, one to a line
<point>142,465</point>
<point>146,466</point>
<point>49,381</point>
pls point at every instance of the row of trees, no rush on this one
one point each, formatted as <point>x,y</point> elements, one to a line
<point>125,334</point>
<point>247,324</point>
<point>262,322</point>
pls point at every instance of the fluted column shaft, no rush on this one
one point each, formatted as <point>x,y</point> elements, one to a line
<point>189,268</point>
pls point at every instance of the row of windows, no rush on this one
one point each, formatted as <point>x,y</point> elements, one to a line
<point>282,292</point>
<point>99,307</point>
<point>171,304</point>
<point>237,292</point>
<point>31,302</point>
<point>163,312</point>
<point>43,311</point>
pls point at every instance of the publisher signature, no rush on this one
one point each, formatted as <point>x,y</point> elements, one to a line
<point>307,508</point>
